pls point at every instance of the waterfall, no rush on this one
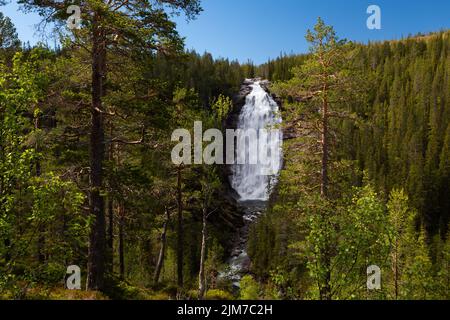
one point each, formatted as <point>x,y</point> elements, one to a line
<point>253,180</point>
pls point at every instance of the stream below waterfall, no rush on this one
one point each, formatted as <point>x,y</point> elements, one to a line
<point>253,182</point>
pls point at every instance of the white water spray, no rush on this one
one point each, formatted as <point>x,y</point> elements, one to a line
<point>260,113</point>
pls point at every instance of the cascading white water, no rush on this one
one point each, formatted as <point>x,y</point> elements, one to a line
<point>260,112</point>
<point>253,181</point>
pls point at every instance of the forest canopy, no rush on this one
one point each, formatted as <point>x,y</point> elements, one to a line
<point>86,176</point>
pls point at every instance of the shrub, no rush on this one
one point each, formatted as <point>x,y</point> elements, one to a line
<point>217,294</point>
<point>249,288</point>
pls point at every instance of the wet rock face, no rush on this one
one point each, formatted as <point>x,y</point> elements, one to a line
<point>238,103</point>
<point>239,99</point>
<point>239,262</point>
<point>231,123</point>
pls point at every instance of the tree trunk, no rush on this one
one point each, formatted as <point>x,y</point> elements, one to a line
<point>41,237</point>
<point>97,238</point>
<point>121,241</point>
<point>201,274</point>
<point>395,267</point>
<point>110,240</point>
<point>162,250</point>
<point>7,245</point>
<point>179,231</point>
<point>324,174</point>
<point>325,291</point>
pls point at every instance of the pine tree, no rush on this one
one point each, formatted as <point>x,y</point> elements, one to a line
<point>111,27</point>
<point>320,88</point>
<point>401,219</point>
<point>443,274</point>
<point>8,34</point>
<point>417,280</point>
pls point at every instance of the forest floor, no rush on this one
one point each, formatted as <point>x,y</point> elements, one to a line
<point>120,291</point>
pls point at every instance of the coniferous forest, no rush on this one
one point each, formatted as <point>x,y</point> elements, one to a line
<point>88,184</point>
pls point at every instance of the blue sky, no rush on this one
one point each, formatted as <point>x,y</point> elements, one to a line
<point>261,29</point>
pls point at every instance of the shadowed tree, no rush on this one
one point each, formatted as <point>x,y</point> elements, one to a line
<point>8,34</point>
<point>108,27</point>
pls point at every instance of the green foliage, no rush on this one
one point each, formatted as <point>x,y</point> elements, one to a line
<point>397,132</point>
<point>8,34</point>
<point>17,90</point>
<point>222,107</point>
<point>357,236</point>
<point>217,294</point>
<point>418,281</point>
<point>29,203</point>
<point>402,237</point>
<point>249,288</point>
<point>443,270</point>
<point>214,262</point>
